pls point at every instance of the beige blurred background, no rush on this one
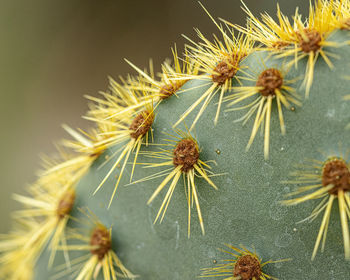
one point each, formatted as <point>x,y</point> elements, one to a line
<point>54,52</point>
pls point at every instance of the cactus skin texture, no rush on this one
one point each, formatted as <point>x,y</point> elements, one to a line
<point>248,206</point>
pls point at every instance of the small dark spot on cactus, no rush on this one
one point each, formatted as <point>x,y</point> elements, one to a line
<point>141,124</point>
<point>312,42</point>
<point>335,172</point>
<point>168,90</point>
<point>186,154</point>
<point>270,80</point>
<point>247,267</point>
<point>101,241</point>
<point>97,154</point>
<point>345,24</point>
<point>65,204</point>
<point>225,70</point>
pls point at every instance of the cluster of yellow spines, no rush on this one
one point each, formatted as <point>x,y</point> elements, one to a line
<point>125,114</point>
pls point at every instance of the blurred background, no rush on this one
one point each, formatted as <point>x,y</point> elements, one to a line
<point>54,52</point>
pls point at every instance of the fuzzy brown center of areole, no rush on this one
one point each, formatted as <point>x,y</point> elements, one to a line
<point>336,172</point>
<point>186,154</point>
<point>224,71</point>
<point>310,40</point>
<point>141,124</point>
<point>270,80</point>
<point>66,203</point>
<point>247,267</point>
<point>101,241</point>
<point>169,89</point>
<point>279,45</point>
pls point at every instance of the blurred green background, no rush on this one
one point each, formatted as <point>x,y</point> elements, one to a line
<point>54,52</point>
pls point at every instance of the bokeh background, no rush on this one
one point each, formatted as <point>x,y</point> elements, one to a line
<point>52,52</point>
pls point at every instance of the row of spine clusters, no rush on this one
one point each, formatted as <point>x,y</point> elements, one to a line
<point>125,116</point>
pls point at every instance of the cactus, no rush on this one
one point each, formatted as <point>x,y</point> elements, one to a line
<point>168,174</point>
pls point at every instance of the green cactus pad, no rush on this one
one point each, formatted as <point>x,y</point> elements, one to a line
<point>246,209</point>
